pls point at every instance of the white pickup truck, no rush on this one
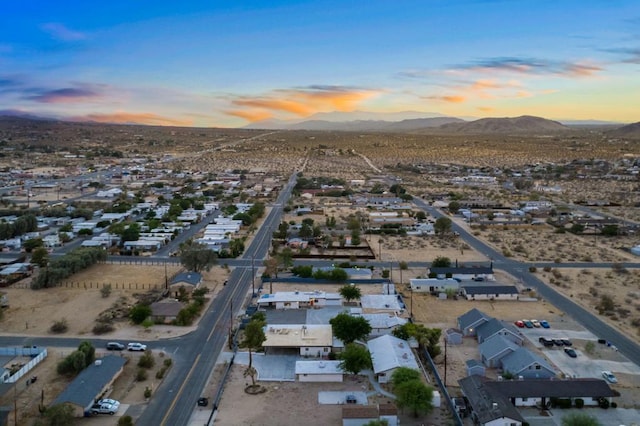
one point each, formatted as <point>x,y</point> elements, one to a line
<point>103,407</point>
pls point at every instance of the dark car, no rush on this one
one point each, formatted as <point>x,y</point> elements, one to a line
<point>351,399</point>
<point>558,342</point>
<point>567,342</point>
<point>546,341</point>
<point>527,323</point>
<point>570,352</point>
<point>203,402</point>
<point>115,346</point>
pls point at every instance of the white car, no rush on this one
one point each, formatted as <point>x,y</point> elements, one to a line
<point>136,347</point>
<point>609,377</point>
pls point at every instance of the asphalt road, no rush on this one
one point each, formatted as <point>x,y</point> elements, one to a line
<point>520,270</point>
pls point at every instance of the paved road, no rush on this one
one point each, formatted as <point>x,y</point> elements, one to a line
<point>520,270</point>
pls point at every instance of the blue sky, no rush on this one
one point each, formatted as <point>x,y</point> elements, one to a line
<point>228,63</point>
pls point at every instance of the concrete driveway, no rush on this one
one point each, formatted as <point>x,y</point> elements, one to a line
<point>609,417</point>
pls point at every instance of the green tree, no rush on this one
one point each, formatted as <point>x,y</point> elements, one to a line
<point>427,337</point>
<point>197,257</point>
<point>381,422</point>
<point>442,226</point>
<point>355,358</point>
<point>349,328</point>
<point>441,262</point>
<point>40,257</point>
<point>32,244</point>
<point>89,352</point>
<point>254,337</point>
<point>610,230</point>
<point>415,396</point>
<point>350,292</point>
<point>59,415</point>
<point>421,216</point>
<point>285,258</point>
<point>139,313</point>
<point>131,232</point>
<point>580,419</point>
<point>404,374</point>
<point>454,206</point>
<point>355,237</point>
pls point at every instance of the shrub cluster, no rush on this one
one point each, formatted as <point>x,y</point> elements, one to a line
<point>67,265</point>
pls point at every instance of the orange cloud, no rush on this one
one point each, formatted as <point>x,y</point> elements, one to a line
<point>300,102</point>
<point>137,118</point>
<point>486,109</point>
<point>250,115</point>
<point>453,99</point>
<point>582,70</point>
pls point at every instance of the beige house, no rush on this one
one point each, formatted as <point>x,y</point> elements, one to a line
<point>312,340</point>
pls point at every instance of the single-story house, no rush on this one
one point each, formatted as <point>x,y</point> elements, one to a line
<point>488,408</point>
<point>313,340</point>
<point>469,321</point>
<point>490,292</point>
<point>373,303</point>
<point>187,280</point>
<point>494,326</point>
<point>91,384</point>
<point>382,324</point>
<point>319,371</point>
<point>464,272</point>
<point>299,299</point>
<point>453,336</point>
<point>434,285</point>
<point>143,245</point>
<point>524,363</point>
<point>166,310</point>
<point>494,349</point>
<point>389,353</point>
<point>475,367</point>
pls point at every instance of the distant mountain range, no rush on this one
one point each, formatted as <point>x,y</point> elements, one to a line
<point>416,122</point>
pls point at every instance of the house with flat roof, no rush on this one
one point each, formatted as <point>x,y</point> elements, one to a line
<point>313,340</point>
<point>299,299</point>
<point>319,371</point>
<point>91,384</point>
<point>389,353</point>
<point>489,292</point>
<point>378,303</point>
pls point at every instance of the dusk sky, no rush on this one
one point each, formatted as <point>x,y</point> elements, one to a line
<point>229,63</point>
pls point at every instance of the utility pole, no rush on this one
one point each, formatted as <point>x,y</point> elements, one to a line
<point>445,361</point>
<point>230,324</point>
<point>166,277</point>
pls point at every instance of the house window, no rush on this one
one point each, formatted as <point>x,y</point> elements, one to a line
<point>326,349</point>
<point>538,367</point>
<point>524,399</point>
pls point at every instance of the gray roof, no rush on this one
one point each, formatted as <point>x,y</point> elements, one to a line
<point>521,359</point>
<point>493,326</point>
<point>166,308</point>
<point>473,363</point>
<point>87,386</point>
<point>471,318</point>
<point>192,278</point>
<point>497,345</point>
<point>451,331</point>
<point>570,388</point>
<point>286,316</point>
<point>466,270</point>
<point>482,399</point>
<point>489,289</point>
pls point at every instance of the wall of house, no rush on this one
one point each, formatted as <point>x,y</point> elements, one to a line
<point>503,421</point>
<point>320,377</point>
<point>533,373</point>
<point>492,297</point>
<point>315,352</point>
<point>287,305</point>
<point>527,402</point>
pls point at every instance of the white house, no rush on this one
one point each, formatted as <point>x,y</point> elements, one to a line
<point>434,285</point>
<point>312,340</point>
<point>319,371</point>
<point>299,299</point>
<point>389,353</point>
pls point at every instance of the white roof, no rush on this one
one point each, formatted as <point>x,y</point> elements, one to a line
<point>389,352</point>
<point>318,367</point>
<point>380,302</point>
<point>296,296</point>
<point>296,336</point>
<point>382,320</point>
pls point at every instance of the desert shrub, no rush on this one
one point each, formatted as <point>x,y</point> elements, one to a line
<point>506,252</point>
<point>589,348</point>
<point>139,313</point>
<point>105,291</point>
<point>125,421</point>
<point>606,304</point>
<point>603,403</point>
<point>160,373</point>
<point>147,323</point>
<point>636,321</point>
<point>59,326</point>
<point>614,404</point>
<point>147,392</point>
<point>547,269</point>
<point>593,291</point>
<point>141,375</point>
<point>533,269</point>
<point>167,362</point>
<point>146,361</point>
<point>103,327</point>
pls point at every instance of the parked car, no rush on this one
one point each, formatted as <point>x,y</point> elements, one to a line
<point>108,401</point>
<point>567,342</point>
<point>136,347</point>
<point>203,402</point>
<point>546,341</point>
<point>570,352</point>
<point>351,399</point>
<point>519,324</point>
<point>104,408</point>
<point>544,324</point>
<point>527,323</point>
<point>609,377</point>
<point>558,342</point>
<point>535,323</point>
<point>115,346</point>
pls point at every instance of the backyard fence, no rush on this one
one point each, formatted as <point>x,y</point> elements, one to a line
<point>456,416</point>
<point>99,285</point>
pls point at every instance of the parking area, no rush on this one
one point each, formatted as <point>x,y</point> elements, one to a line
<point>610,417</point>
<point>332,398</point>
<point>271,368</point>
